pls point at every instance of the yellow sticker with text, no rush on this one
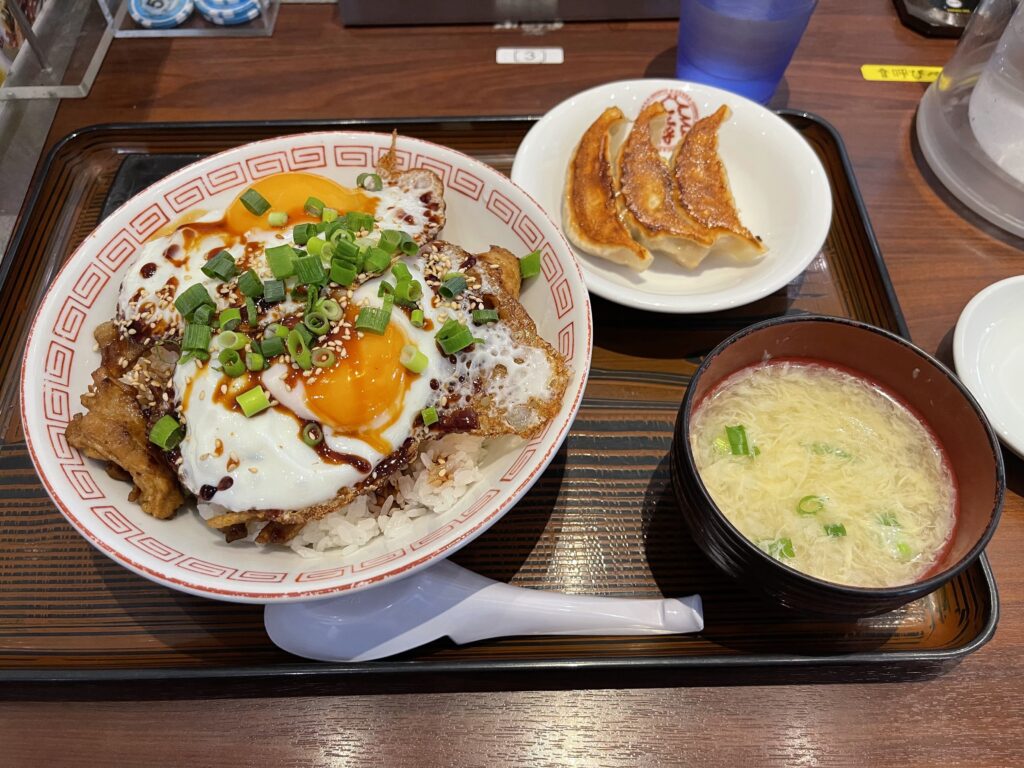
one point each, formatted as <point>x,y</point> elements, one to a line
<point>898,73</point>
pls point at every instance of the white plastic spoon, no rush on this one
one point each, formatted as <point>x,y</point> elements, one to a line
<point>447,600</point>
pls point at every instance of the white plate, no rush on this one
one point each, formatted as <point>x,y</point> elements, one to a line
<point>988,351</point>
<point>184,553</point>
<point>779,184</point>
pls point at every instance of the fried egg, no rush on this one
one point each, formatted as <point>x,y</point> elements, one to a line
<point>367,405</point>
<point>172,262</point>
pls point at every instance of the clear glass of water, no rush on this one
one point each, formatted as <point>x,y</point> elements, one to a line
<point>743,46</point>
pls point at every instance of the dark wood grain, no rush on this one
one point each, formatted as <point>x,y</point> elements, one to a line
<point>938,258</point>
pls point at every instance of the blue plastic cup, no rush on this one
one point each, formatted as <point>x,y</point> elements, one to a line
<point>743,46</point>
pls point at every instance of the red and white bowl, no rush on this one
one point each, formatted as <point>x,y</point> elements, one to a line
<point>484,208</point>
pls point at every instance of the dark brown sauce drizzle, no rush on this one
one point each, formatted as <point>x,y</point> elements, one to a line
<point>227,398</point>
<point>325,452</point>
<point>459,420</point>
<point>148,270</point>
<point>174,254</point>
<point>391,463</point>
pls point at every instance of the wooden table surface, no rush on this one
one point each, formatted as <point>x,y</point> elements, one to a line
<point>938,256</point>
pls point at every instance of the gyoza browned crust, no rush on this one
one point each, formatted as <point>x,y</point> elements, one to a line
<point>115,429</point>
<point>648,198</point>
<point>589,208</point>
<point>703,186</point>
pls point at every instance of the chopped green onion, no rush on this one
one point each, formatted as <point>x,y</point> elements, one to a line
<point>376,260</point>
<point>347,250</point>
<point>482,316</point>
<point>413,359</point>
<point>529,265</point>
<point>298,349</point>
<point>273,346</point>
<point>370,181</point>
<point>317,322</point>
<point>408,292</point>
<point>342,274</point>
<point>231,362</point>
<point>328,215</point>
<point>416,318</point>
<point>191,299</point>
<point>454,337</point>
<point>203,315</point>
<point>389,240</point>
<point>409,246</point>
<point>357,222</point>
<point>326,252</point>
<point>221,266</point>
<point>323,357</point>
<point>780,549</point>
<point>889,519</point>
<point>303,331</point>
<point>385,289</point>
<point>231,340</point>
<point>277,218</point>
<point>196,337</point>
<point>277,329</point>
<point>281,259</point>
<point>340,234</point>
<point>452,287</point>
<point>824,449</point>
<point>315,245</point>
<point>309,270</point>
<point>302,233</point>
<point>230,318</point>
<point>273,291</point>
<point>166,433</point>
<point>254,202</point>
<point>835,529</point>
<point>254,361</point>
<point>374,319</point>
<point>249,283</point>
<point>721,445</point>
<point>252,316</point>
<point>904,550</point>
<point>400,270</point>
<point>313,206</point>
<point>312,434</point>
<point>312,297</point>
<point>810,505</point>
<point>429,416</point>
<point>253,401</point>
<point>737,436</point>
<point>331,309</point>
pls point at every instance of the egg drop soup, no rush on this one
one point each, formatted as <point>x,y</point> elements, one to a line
<point>826,472</point>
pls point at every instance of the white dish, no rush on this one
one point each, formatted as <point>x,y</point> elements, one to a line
<point>779,184</point>
<point>484,208</point>
<point>988,351</point>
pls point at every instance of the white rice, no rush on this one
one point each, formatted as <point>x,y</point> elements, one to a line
<point>432,484</point>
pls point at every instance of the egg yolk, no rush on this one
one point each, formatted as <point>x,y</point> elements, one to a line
<point>363,394</point>
<point>288,192</point>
